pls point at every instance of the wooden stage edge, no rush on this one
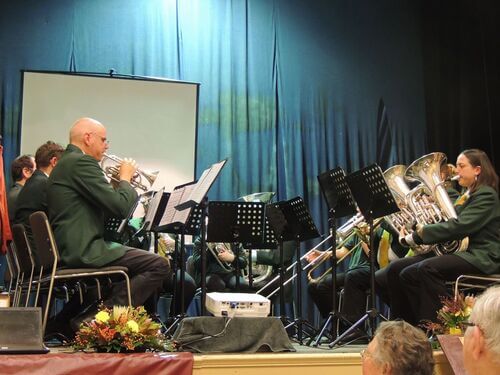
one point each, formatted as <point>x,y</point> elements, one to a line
<point>291,363</point>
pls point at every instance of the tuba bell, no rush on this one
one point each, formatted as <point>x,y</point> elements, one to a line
<point>427,170</point>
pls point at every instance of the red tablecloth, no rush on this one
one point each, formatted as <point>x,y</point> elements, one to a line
<point>97,363</point>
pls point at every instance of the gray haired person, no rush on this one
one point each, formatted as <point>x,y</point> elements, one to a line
<point>398,348</point>
<point>482,339</point>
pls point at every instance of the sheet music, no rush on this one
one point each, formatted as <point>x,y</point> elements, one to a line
<point>172,213</point>
<point>204,183</point>
<point>152,208</point>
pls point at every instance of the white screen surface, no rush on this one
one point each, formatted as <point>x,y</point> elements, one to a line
<point>151,121</point>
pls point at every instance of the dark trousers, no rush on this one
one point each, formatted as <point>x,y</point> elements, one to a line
<point>355,282</point>
<point>189,290</point>
<point>147,272</point>
<point>389,288</point>
<point>412,286</point>
<point>220,282</point>
<point>424,283</point>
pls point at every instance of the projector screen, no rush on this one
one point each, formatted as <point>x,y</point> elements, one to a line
<point>153,121</point>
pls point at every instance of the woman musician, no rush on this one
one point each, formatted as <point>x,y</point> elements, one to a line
<point>414,285</point>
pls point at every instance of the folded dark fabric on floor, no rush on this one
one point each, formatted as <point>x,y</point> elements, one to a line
<point>232,335</point>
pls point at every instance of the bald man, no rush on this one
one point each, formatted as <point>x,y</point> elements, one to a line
<point>79,199</point>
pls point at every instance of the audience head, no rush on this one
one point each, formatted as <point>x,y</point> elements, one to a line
<point>47,155</point>
<point>90,136</point>
<point>398,348</point>
<point>482,339</point>
<point>22,168</point>
<point>475,169</point>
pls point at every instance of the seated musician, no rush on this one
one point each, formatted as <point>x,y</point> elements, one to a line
<point>79,197</point>
<point>416,284</point>
<point>220,267</point>
<point>356,280</point>
<point>33,196</point>
<point>272,258</point>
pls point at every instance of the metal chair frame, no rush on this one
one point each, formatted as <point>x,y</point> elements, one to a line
<point>460,281</point>
<point>49,257</point>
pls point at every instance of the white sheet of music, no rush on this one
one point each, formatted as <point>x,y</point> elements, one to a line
<point>172,214</point>
<point>205,181</point>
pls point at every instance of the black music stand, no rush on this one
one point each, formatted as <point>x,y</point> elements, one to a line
<point>238,223</point>
<point>340,203</point>
<point>180,223</point>
<point>375,200</point>
<point>291,220</point>
<point>176,217</point>
<point>114,227</point>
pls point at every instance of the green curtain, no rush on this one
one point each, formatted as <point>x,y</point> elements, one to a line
<point>289,88</point>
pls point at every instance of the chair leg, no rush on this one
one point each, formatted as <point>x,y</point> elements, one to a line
<point>47,307</point>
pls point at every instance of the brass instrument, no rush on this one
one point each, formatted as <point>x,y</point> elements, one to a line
<point>260,272</point>
<point>360,231</point>
<point>427,170</point>
<point>215,249</point>
<point>113,171</point>
<point>343,234</point>
<point>409,213</point>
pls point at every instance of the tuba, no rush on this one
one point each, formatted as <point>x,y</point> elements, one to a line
<point>427,170</point>
<point>111,167</point>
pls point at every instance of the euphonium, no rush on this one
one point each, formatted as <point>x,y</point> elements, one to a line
<point>427,170</point>
<point>409,213</point>
<point>113,171</point>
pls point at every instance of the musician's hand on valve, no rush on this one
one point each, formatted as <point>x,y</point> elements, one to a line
<point>402,234</point>
<point>127,169</point>
<point>225,256</point>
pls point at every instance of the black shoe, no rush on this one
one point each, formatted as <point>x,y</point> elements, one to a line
<point>85,316</point>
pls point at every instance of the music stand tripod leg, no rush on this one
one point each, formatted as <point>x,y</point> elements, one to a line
<point>182,280</point>
<point>372,313</point>
<point>333,316</point>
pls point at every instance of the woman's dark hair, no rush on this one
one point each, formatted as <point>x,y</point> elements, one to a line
<point>488,176</point>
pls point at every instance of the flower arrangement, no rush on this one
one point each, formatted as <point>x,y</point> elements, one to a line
<point>453,316</point>
<point>121,329</point>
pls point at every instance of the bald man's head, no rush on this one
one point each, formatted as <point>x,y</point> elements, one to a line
<point>82,126</point>
<point>90,136</point>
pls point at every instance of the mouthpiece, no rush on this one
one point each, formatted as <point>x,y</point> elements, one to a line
<point>455,178</point>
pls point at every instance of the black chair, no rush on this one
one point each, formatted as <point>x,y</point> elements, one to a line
<point>13,272</point>
<point>48,256</point>
<point>25,261</point>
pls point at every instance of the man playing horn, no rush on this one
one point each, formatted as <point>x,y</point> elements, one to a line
<point>79,198</point>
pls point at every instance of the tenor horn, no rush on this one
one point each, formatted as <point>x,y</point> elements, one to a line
<point>113,172</point>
